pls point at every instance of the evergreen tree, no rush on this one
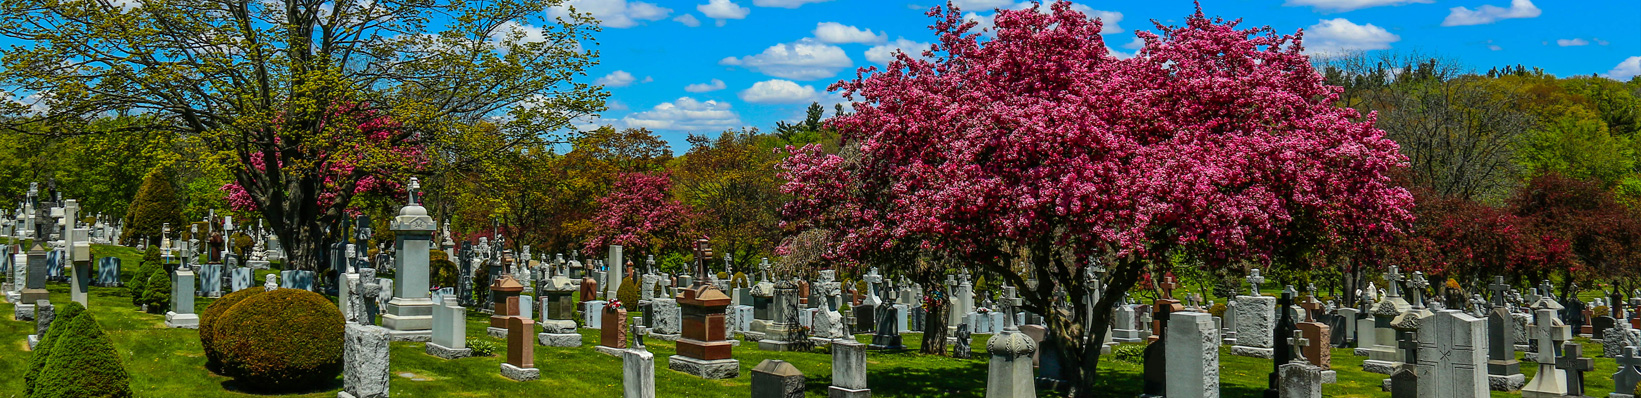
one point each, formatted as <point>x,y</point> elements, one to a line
<point>156,204</point>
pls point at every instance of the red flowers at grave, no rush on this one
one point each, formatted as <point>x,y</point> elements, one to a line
<point>613,305</point>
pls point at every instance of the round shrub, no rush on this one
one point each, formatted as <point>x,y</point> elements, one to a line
<point>83,363</point>
<point>139,275</point>
<point>738,280</point>
<point>207,323</point>
<point>280,340</point>
<point>42,352</point>
<point>157,293</point>
<point>628,292</point>
<point>441,271</point>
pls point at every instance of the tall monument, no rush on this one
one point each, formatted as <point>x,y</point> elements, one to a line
<point>409,314</point>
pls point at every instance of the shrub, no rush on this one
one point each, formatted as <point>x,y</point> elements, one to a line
<point>140,274</point>
<point>83,362</point>
<point>42,352</point>
<point>157,293</point>
<point>207,323</point>
<point>481,348</point>
<point>279,340</point>
<point>628,292</point>
<point>738,280</point>
<point>156,204</point>
<point>1600,311</point>
<point>1218,310</point>
<point>442,272</point>
<point>1131,353</point>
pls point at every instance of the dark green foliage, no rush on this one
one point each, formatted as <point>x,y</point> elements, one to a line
<point>156,204</point>
<point>441,271</point>
<point>481,347</point>
<point>280,340</point>
<point>83,363</point>
<point>157,293</point>
<point>1131,353</point>
<point>42,352</point>
<point>207,324</point>
<point>628,293</point>
<point>139,275</point>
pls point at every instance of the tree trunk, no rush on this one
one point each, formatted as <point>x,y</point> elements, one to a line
<point>1084,356</point>
<point>934,329</point>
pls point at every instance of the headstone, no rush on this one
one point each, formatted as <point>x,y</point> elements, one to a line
<point>1503,370</point>
<point>637,371</point>
<point>962,346</point>
<point>240,280</point>
<point>1450,359</point>
<point>44,314</point>
<point>1548,382</point>
<point>1010,369</point>
<point>775,378</point>
<point>848,370</point>
<point>505,291</point>
<point>210,280</point>
<point>1123,326</point>
<point>784,332</point>
<point>364,362</point>
<point>1255,318</point>
<point>1628,374</point>
<point>1382,356</point>
<point>34,288</point>
<point>1300,380</point>
<point>613,334</point>
<point>521,352</point>
<point>1573,364</point>
<point>702,351</point>
<point>1193,356</point>
<point>449,330</point>
<point>409,313</point>
<point>182,301</point>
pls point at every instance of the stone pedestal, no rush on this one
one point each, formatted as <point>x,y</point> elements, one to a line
<point>1255,323</point>
<point>848,370</point>
<point>637,374</point>
<point>365,362</point>
<point>1192,353</point>
<point>774,378</point>
<point>81,280</point>
<point>1009,373</point>
<point>702,351</point>
<point>182,301</point>
<point>34,287</point>
<point>409,315</point>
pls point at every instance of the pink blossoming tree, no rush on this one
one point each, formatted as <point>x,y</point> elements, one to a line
<point>1030,151</point>
<point>640,215</point>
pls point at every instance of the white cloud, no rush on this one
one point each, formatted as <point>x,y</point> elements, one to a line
<point>981,5</point>
<point>713,85</point>
<point>778,91</point>
<point>1109,20</point>
<point>1494,47</point>
<point>805,59</point>
<point>833,32</point>
<point>785,3</point>
<point>885,53</point>
<point>1599,41</point>
<point>1136,44</point>
<point>1574,42</point>
<point>1461,16</point>
<point>1348,5</point>
<point>616,105</point>
<point>688,20</point>
<point>613,13</point>
<point>982,23</point>
<point>685,114</point>
<point>618,78</point>
<point>511,30</point>
<point>1626,70</point>
<point>723,10</point>
<point>1338,35</point>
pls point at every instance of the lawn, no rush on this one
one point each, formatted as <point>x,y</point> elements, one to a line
<point>169,363</point>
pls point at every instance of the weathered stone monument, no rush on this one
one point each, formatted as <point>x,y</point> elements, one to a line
<point>409,315</point>
<point>364,362</point>
<point>1382,356</point>
<point>1503,370</point>
<point>1009,373</point>
<point>848,370</point>
<point>1548,382</point>
<point>1450,361</point>
<point>558,328</point>
<point>182,301</point>
<point>1628,374</point>
<point>702,350</point>
<point>1193,355</point>
<point>774,378</point>
<point>1255,318</point>
<point>637,369</point>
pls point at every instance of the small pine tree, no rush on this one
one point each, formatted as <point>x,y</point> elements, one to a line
<point>42,352</point>
<point>83,362</point>
<point>140,274</point>
<point>158,292</point>
<point>156,204</point>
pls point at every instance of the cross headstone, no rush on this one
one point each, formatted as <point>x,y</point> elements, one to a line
<point>1629,371</point>
<point>1418,284</point>
<point>1393,278</point>
<point>1498,287</point>
<point>1253,282</point>
<point>1573,362</point>
<point>1299,343</point>
<point>1168,285</point>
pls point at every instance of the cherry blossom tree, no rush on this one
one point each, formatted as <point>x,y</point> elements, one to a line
<point>1036,149</point>
<point>639,214</point>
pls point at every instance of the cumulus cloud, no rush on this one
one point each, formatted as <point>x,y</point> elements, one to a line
<point>805,59</point>
<point>1108,19</point>
<point>512,31</point>
<point>885,53</point>
<point>981,5</point>
<point>688,20</point>
<point>618,78</point>
<point>785,3</point>
<point>1574,42</point>
<point>1461,16</point>
<point>723,10</point>
<point>1626,70</point>
<point>685,113</point>
<point>616,105</point>
<point>1349,5</point>
<point>833,32</point>
<point>713,85</point>
<point>613,13</point>
<point>1338,35</point>
<point>778,91</point>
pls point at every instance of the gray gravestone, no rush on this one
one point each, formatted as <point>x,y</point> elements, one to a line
<point>774,378</point>
<point>848,370</point>
<point>1192,356</point>
<point>1450,361</point>
<point>364,362</point>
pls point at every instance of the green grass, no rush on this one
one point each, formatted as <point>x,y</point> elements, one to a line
<point>169,363</point>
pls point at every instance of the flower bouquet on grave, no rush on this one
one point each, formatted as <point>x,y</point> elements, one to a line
<point>932,299</point>
<point>613,305</point>
<point>982,310</point>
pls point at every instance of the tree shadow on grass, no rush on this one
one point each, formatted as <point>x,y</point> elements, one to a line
<point>965,381</point>
<point>329,385</point>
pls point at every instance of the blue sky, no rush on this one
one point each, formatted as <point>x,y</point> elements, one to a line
<point>702,66</point>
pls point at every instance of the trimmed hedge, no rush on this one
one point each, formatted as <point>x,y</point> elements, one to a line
<point>83,363</point>
<point>280,340</point>
<point>42,352</point>
<point>207,323</point>
<point>157,293</point>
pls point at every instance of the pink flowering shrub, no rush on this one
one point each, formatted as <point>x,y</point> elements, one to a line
<point>639,213</point>
<point>370,161</point>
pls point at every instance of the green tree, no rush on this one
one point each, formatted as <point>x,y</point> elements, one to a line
<point>267,89</point>
<point>154,206</point>
<point>733,180</point>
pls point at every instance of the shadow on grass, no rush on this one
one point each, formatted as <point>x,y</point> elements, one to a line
<point>330,385</point>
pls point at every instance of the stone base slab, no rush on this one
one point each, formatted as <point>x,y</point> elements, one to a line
<point>519,374</point>
<point>23,312</point>
<point>447,352</point>
<point>840,392</point>
<point>559,339</point>
<point>1361,352</point>
<point>1254,352</point>
<point>1617,395</point>
<point>611,351</point>
<point>33,340</point>
<point>1330,376</point>
<point>500,333</point>
<point>663,336</point>
<point>714,369</point>
<point>417,336</point>
<point>772,345</point>
<point>1380,367</point>
<point>181,321</point>
<point>1510,383</point>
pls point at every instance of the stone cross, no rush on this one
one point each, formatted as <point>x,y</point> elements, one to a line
<point>370,289</point>
<point>703,253</point>
<point>1410,347</point>
<point>1253,282</point>
<point>1312,307</point>
<point>649,263</point>
<point>1394,280</point>
<point>413,189</point>
<point>637,337</point>
<point>1011,303</point>
<point>1498,287</point>
<point>1168,285</point>
<point>1299,342</point>
<point>1629,370</point>
<point>1575,365</point>
<point>1418,284</point>
<point>1545,289</point>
